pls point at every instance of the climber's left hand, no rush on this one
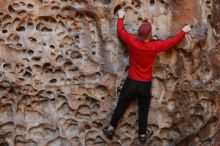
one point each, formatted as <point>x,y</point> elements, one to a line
<point>121,13</point>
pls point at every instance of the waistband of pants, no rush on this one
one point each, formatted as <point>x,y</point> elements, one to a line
<point>138,81</point>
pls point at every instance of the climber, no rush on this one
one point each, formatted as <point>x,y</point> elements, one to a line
<point>142,52</point>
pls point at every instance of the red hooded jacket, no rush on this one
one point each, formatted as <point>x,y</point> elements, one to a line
<point>142,54</point>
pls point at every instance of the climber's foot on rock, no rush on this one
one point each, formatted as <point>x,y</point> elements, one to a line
<point>108,133</point>
<point>147,134</point>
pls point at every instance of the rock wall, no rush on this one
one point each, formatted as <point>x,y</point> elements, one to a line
<point>62,66</point>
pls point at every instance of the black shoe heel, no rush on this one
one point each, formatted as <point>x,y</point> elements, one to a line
<point>108,133</point>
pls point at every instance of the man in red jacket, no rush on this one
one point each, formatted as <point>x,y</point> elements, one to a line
<point>142,54</point>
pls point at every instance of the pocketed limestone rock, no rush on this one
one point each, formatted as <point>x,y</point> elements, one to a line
<point>62,67</point>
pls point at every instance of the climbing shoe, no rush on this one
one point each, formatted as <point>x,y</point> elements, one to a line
<point>148,133</point>
<point>108,133</point>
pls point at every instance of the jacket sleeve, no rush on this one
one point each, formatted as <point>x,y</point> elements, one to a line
<point>166,44</point>
<point>124,36</point>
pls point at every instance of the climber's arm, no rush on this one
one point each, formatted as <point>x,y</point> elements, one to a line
<point>166,44</point>
<point>123,34</point>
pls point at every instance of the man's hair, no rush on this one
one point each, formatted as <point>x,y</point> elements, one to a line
<point>144,31</point>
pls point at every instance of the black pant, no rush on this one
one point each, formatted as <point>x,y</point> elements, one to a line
<point>130,90</point>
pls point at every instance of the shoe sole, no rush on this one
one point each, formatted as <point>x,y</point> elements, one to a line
<point>143,140</point>
<point>107,134</point>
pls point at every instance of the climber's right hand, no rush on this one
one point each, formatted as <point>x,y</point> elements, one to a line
<point>121,13</point>
<point>187,28</point>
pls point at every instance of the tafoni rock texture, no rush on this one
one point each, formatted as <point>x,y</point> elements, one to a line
<point>62,67</point>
